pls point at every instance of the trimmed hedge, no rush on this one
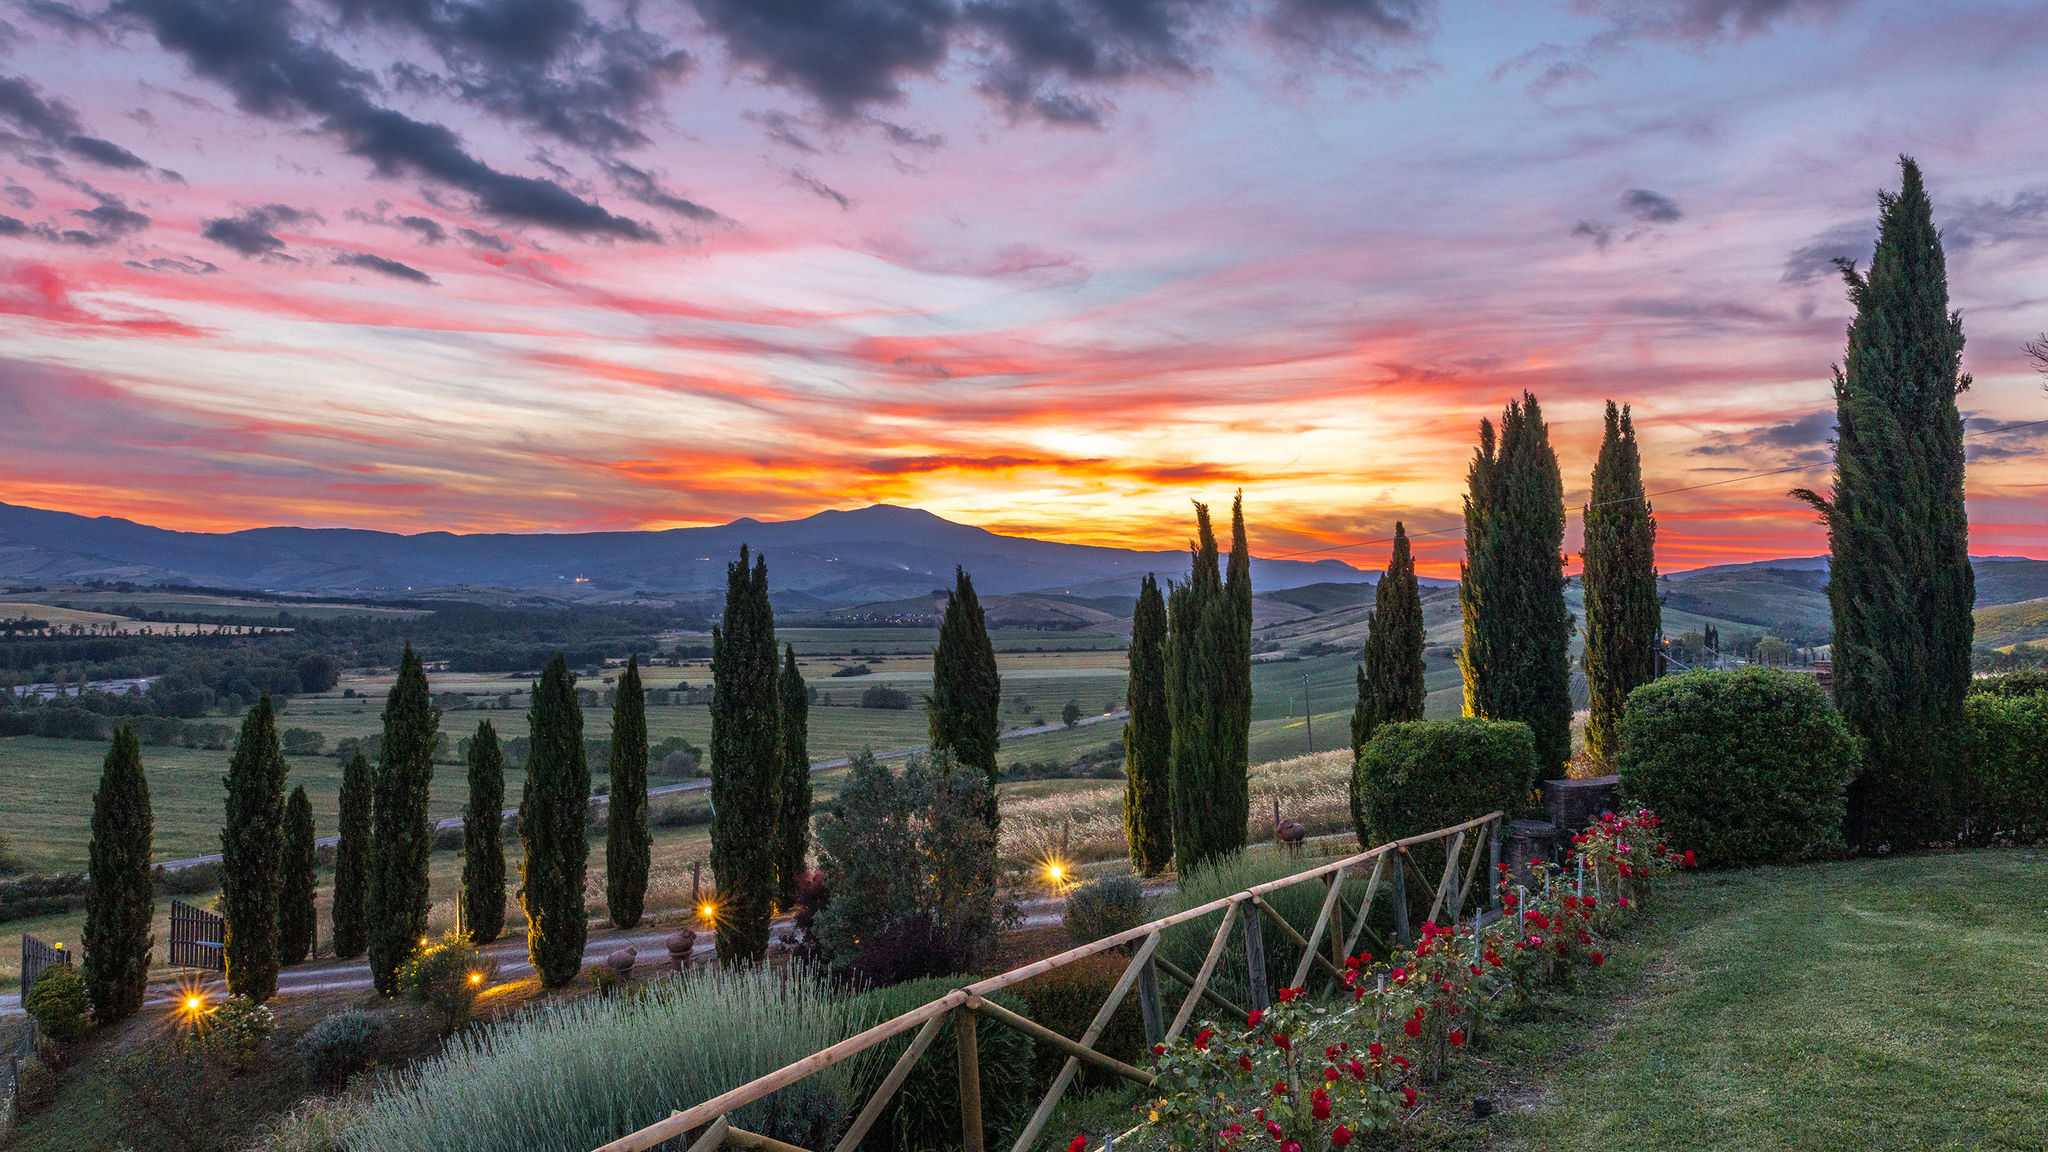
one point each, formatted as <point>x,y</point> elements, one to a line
<point>1744,767</point>
<point>2006,791</point>
<point>1422,775</point>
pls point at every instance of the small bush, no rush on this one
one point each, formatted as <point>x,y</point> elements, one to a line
<point>339,1047</point>
<point>446,976</point>
<point>59,1004</point>
<point>1105,907</point>
<point>190,881</point>
<point>2006,792</point>
<point>2026,682</point>
<point>924,1116</point>
<point>237,1032</point>
<point>1422,775</point>
<point>1066,1000</point>
<point>1745,767</point>
<point>883,696</point>
<point>35,1085</point>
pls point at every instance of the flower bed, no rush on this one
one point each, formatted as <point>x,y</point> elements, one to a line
<point>1319,1070</point>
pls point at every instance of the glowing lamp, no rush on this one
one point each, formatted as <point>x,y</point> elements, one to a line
<point>476,977</point>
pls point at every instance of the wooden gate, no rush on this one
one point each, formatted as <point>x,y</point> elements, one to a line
<point>196,936</point>
<point>36,956</point>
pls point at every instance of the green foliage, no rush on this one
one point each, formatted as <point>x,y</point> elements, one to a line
<point>1187,943</point>
<point>793,791</point>
<point>610,1065</point>
<point>252,856</point>
<point>883,696</point>
<point>402,834</point>
<point>553,810</point>
<point>746,750</point>
<point>1744,767</point>
<point>1390,688</point>
<point>1900,584</point>
<point>298,920</point>
<point>2007,787</point>
<point>446,976</point>
<point>352,860</point>
<point>236,1032</point>
<point>925,1114</point>
<point>627,843</point>
<point>1208,697</point>
<point>121,901</point>
<point>483,838</point>
<point>59,1004</point>
<point>1624,619</point>
<point>1517,653</point>
<point>2012,684</point>
<point>965,707</point>
<point>1148,738</point>
<point>1105,907</point>
<point>1066,1000</point>
<point>35,1085</point>
<point>339,1047</point>
<point>1422,775</point>
<point>867,849</point>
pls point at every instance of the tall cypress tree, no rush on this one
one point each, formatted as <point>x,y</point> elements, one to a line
<point>1899,584</point>
<point>627,843</point>
<point>746,750</point>
<point>483,839</point>
<point>1234,651</point>
<point>252,856</point>
<point>554,811</point>
<point>793,792</point>
<point>298,921</point>
<point>401,835</point>
<point>1390,688</point>
<point>1517,653</point>
<point>119,902</point>
<point>352,861</point>
<point>1624,614</point>
<point>1209,791</point>
<point>1148,738</point>
<point>965,707</point>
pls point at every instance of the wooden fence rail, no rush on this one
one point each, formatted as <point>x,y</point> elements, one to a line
<point>196,937</point>
<point>711,1119</point>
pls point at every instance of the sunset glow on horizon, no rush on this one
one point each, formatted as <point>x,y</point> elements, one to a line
<point>1050,267</point>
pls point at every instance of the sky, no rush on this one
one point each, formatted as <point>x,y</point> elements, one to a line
<point>1052,267</point>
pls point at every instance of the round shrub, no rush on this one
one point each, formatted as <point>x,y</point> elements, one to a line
<point>1744,767</point>
<point>339,1047</point>
<point>237,1031</point>
<point>1422,775</point>
<point>1105,907</point>
<point>59,1004</point>
<point>446,976</point>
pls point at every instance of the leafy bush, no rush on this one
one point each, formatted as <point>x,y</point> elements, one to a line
<point>59,1005</point>
<point>339,1047</point>
<point>236,1032</point>
<point>1105,907</point>
<point>1745,767</point>
<point>1066,1000</point>
<point>1422,775</point>
<point>576,1074</point>
<point>193,880</point>
<point>2026,682</point>
<point>35,1085</point>
<point>28,896</point>
<point>2006,791</point>
<point>446,976</point>
<point>883,696</point>
<point>924,1116</point>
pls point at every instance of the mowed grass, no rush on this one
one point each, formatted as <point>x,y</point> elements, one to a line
<point>1873,1004</point>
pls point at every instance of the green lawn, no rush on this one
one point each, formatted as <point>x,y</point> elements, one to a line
<point>1895,1004</point>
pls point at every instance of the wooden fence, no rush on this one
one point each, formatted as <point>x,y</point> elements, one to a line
<point>35,957</point>
<point>1388,869</point>
<point>196,936</point>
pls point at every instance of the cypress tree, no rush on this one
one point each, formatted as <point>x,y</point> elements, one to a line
<point>401,835</point>
<point>746,751</point>
<point>352,861</point>
<point>554,811</point>
<point>1900,586</point>
<point>1148,738</point>
<point>793,792</point>
<point>298,921</point>
<point>252,856</point>
<point>627,843</point>
<point>965,707</point>
<point>119,902</point>
<point>483,839</point>
<point>1234,651</point>
<point>1209,794</point>
<point>1517,653</point>
<point>1390,688</point>
<point>1624,614</point>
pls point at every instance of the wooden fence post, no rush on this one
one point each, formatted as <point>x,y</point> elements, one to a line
<point>1255,959</point>
<point>1400,894</point>
<point>1493,864</point>
<point>1148,1002</point>
<point>970,1081</point>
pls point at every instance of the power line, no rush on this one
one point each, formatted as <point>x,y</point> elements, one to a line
<point>1624,500</point>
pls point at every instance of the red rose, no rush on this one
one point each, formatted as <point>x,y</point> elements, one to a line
<point>1457,1039</point>
<point>1159,1049</point>
<point>1376,1050</point>
<point>1413,1027</point>
<point>1401,1062</point>
<point>1282,1042</point>
<point>1330,1073</point>
<point>1202,1039</point>
<point>1257,1014</point>
<point>1341,1136</point>
<point>1408,1094</point>
<point>1598,959</point>
<point>1320,1109</point>
<point>1245,1062</point>
<point>1077,1144</point>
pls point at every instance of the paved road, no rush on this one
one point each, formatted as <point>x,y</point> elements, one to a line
<point>701,785</point>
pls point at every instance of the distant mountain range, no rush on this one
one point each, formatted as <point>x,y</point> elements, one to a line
<point>835,558</point>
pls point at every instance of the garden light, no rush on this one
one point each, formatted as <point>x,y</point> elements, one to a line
<point>476,977</point>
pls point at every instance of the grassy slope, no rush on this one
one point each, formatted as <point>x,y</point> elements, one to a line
<point>1871,1004</point>
<point>2008,624</point>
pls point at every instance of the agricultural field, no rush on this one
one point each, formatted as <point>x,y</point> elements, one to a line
<point>2011,624</point>
<point>60,620</point>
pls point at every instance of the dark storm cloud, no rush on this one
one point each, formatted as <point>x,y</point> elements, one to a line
<point>845,54</point>
<point>1812,261</point>
<point>250,47</point>
<point>251,233</point>
<point>641,185</point>
<point>112,218</point>
<point>1805,440</point>
<point>1650,207</point>
<point>53,124</point>
<point>378,264</point>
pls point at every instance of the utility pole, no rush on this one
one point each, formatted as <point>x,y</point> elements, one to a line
<point>1308,715</point>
